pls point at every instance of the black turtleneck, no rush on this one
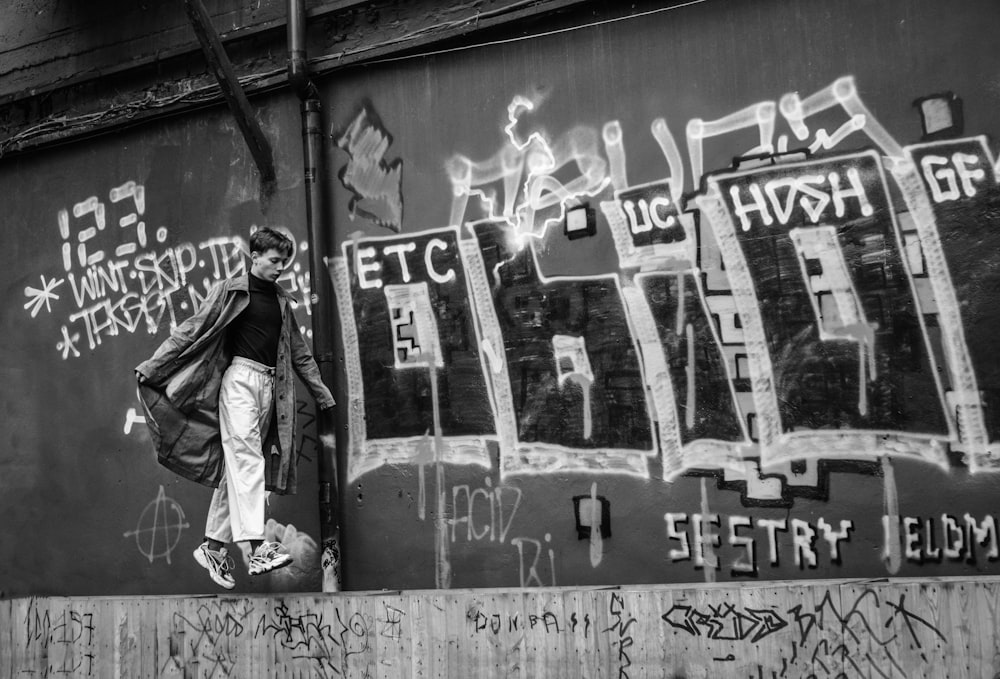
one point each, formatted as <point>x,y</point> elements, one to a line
<point>255,332</point>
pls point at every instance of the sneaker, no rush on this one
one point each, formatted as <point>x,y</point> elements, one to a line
<point>218,564</point>
<point>267,558</point>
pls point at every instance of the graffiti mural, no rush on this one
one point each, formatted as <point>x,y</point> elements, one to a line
<point>571,393</point>
<point>831,328</point>
<point>798,312</point>
<point>413,291</point>
<point>785,310</point>
<point>625,303</point>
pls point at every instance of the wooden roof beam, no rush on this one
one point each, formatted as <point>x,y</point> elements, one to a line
<point>232,91</point>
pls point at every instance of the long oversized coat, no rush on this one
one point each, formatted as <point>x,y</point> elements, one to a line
<point>179,390</point>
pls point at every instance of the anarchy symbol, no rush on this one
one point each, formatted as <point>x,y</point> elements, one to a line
<point>159,528</point>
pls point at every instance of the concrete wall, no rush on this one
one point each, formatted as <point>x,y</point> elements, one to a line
<point>779,368</point>
<point>115,236</point>
<point>113,242</point>
<point>821,629</point>
<point>577,344</point>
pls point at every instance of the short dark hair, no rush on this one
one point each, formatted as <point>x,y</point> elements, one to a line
<point>266,238</point>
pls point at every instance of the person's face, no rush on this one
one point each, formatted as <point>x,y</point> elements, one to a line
<point>267,265</point>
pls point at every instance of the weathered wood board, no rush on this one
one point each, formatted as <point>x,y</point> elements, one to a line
<point>900,628</point>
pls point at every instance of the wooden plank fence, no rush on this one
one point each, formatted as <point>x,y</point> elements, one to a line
<point>901,629</point>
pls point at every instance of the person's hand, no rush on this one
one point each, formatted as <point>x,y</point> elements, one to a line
<point>139,377</point>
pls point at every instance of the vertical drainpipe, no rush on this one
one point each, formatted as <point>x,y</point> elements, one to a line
<point>318,230</point>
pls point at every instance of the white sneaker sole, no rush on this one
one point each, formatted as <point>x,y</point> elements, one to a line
<point>199,556</point>
<point>274,564</point>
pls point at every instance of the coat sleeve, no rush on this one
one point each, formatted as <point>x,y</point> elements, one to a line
<point>183,336</point>
<point>306,368</point>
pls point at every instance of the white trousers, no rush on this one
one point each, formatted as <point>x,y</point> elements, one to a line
<point>245,402</point>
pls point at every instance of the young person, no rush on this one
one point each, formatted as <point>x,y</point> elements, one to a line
<point>219,399</point>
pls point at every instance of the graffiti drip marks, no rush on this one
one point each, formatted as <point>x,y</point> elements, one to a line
<point>776,315</point>
<point>803,242</point>
<point>413,291</point>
